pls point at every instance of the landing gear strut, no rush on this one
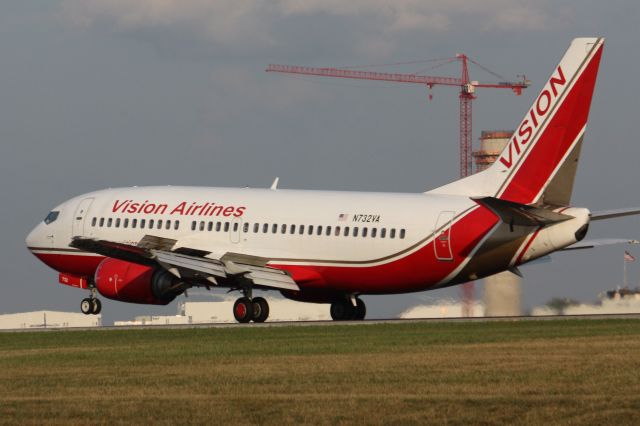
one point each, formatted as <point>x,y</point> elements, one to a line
<point>91,305</point>
<point>249,308</point>
<point>345,310</point>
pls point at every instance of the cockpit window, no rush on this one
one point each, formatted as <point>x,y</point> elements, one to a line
<point>51,217</point>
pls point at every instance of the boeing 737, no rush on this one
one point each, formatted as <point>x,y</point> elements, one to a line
<point>150,244</point>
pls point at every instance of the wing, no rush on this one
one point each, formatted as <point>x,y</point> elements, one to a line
<point>191,264</point>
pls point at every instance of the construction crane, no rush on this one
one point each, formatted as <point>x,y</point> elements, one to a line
<point>467,92</point>
<point>467,95</point>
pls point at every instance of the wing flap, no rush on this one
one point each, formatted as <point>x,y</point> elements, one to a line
<point>181,261</point>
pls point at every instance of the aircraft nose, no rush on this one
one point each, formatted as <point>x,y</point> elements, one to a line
<point>35,237</point>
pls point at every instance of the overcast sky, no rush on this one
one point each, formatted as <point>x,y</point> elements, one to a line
<point>98,94</point>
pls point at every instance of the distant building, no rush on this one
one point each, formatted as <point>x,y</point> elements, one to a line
<point>48,319</point>
<point>442,309</point>
<point>222,312</point>
<point>620,301</point>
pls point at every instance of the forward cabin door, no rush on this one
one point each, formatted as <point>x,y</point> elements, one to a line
<point>442,243</point>
<point>80,216</point>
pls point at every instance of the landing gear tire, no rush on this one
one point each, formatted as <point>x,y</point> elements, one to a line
<point>243,310</point>
<point>96,306</point>
<point>260,309</point>
<point>360,310</point>
<point>342,310</point>
<point>86,306</point>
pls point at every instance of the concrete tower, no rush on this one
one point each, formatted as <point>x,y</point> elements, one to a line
<point>502,292</point>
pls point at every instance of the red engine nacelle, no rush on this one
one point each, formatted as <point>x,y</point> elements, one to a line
<point>134,283</point>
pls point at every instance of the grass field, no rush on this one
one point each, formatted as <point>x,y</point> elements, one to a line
<point>528,372</point>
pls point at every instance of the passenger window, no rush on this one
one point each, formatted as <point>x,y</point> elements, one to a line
<point>283,229</point>
<point>319,231</point>
<point>168,225</point>
<point>210,226</point>
<point>256,228</point>
<point>274,228</point>
<point>328,231</point>
<point>235,226</point>
<point>142,223</point>
<point>159,223</point>
<point>202,225</point>
<point>346,231</point>
<point>226,227</point>
<point>94,221</point>
<point>392,233</point>
<point>265,228</point>
<point>176,225</point>
<point>109,222</point>
<point>383,232</point>
<point>364,232</point>
<point>310,230</point>
<point>355,232</point>
<point>245,228</point>
<point>134,222</point>
<point>193,225</point>
<point>374,232</point>
<point>337,231</point>
<point>292,229</point>
<point>126,223</point>
<point>150,223</point>
<point>402,233</point>
<point>218,226</point>
<point>118,223</point>
<point>101,222</point>
<point>301,231</point>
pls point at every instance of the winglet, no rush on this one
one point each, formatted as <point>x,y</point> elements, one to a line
<point>274,185</point>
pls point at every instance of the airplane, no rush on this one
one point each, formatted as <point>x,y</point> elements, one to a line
<point>150,244</point>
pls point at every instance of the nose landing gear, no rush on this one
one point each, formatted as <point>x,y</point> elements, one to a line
<point>91,305</point>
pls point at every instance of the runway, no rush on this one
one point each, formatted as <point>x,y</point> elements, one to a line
<point>331,323</point>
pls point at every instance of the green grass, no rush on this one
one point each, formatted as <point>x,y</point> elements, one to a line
<point>531,372</point>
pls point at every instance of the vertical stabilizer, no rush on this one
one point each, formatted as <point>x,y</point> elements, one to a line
<point>539,163</point>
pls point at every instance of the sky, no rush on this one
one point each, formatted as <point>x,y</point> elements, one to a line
<point>97,94</point>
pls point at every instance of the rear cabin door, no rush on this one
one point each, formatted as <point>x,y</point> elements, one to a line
<point>80,216</point>
<point>442,243</point>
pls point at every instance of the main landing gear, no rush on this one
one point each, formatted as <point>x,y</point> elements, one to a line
<point>251,309</point>
<point>91,305</point>
<point>347,309</point>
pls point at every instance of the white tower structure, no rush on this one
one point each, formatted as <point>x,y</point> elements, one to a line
<point>502,292</point>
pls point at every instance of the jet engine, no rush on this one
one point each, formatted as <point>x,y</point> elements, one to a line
<point>134,283</point>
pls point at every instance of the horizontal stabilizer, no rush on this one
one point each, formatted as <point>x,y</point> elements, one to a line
<point>610,214</point>
<point>521,214</point>
<point>587,244</point>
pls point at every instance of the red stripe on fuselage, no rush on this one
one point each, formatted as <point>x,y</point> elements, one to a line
<point>415,272</point>
<point>560,133</point>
